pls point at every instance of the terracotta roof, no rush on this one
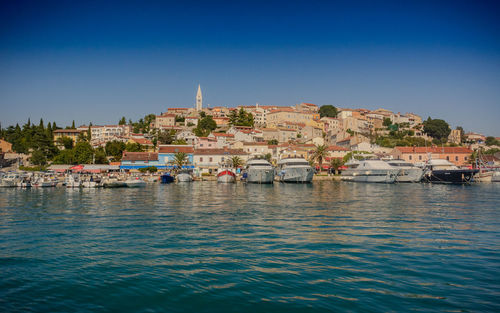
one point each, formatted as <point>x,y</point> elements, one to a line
<point>177,109</point>
<point>142,141</point>
<point>434,150</point>
<point>219,152</point>
<point>336,148</point>
<point>222,135</point>
<point>67,131</point>
<point>282,110</point>
<point>167,115</point>
<point>309,104</point>
<point>139,156</point>
<point>255,143</point>
<point>176,149</point>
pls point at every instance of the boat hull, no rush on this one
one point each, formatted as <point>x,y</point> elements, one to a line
<point>226,176</point>
<point>371,176</point>
<point>118,184</point>
<point>184,178</point>
<point>413,175</point>
<point>484,177</point>
<point>260,176</point>
<point>135,184</point>
<point>450,176</point>
<point>296,175</point>
<point>167,179</point>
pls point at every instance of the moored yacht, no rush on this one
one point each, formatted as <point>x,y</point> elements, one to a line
<point>445,172</point>
<point>259,171</point>
<point>409,172</point>
<point>294,170</point>
<point>370,171</point>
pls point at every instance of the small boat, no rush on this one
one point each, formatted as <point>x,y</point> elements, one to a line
<point>370,171</point>
<point>184,176</point>
<point>409,172</point>
<point>10,180</point>
<point>226,175</point>
<point>496,176</point>
<point>166,178</point>
<point>91,182</point>
<point>294,170</point>
<point>72,181</point>
<point>259,171</point>
<point>444,172</point>
<point>113,182</point>
<point>135,182</point>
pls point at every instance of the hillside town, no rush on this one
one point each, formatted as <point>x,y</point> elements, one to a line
<point>209,136</point>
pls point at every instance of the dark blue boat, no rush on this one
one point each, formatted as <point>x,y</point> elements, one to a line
<point>166,178</point>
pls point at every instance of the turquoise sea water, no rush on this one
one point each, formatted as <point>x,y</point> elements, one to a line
<point>207,247</point>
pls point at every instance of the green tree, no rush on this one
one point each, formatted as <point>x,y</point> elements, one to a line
<point>38,157</point>
<point>336,163</point>
<point>268,157</point>
<point>273,142</point>
<point>319,154</point>
<point>180,159</point>
<point>166,137</point>
<point>179,142</point>
<point>387,122</point>
<point>100,156</point>
<point>73,125</point>
<point>122,121</point>
<point>236,161</point>
<point>115,149</point>
<point>328,111</point>
<point>83,152</point>
<point>133,147</point>
<point>66,142</point>
<point>65,157</point>
<point>490,141</point>
<point>205,126</point>
<point>437,129</point>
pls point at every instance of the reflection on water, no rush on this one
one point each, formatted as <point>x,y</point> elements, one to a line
<point>236,247</point>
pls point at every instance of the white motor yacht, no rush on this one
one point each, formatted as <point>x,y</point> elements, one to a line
<point>370,171</point>
<point>259,171</point>
<point>294,170</point>
<point>409,173</point>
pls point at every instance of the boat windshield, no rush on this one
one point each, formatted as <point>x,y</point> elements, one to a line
<point>401,164</point>
<point>297,163</point>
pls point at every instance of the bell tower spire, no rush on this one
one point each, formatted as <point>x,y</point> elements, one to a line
<point>199,99</point>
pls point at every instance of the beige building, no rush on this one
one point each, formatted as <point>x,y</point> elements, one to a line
<point>163,121</point>
<point>70,133</point>
<point>5,146</point>
<point>282,115</point>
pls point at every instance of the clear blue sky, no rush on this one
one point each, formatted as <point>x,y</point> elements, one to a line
<point>89,61</point>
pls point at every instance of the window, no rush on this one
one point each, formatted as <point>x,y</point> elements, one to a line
<point>465,158</point>
<point>447,158</point>
<point>201,145</point>
<point>456,158</point>
<point>210,159</point>
<point>420,157</point>
<point>409,157</point>
<point>201,159</point>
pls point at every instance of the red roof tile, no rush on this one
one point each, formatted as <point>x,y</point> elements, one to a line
<point>176,149</point>
<point>219,152</point>
<point>139,156</point>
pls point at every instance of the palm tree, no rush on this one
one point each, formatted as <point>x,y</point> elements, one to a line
<point>237,161</point>
<point>180,158</point>
<point>336,163</point>
<point>319,155</point>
